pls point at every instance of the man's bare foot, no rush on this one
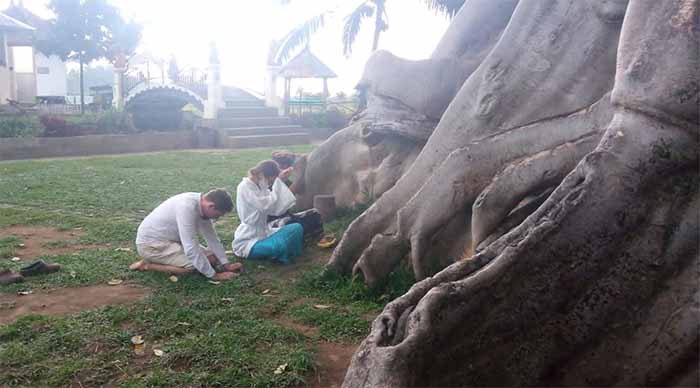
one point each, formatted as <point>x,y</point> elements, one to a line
<point>225,275</point>
<point>139,266</point>
<point>234,267</point>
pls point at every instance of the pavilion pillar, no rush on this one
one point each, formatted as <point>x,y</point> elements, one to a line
<point>211,109</point>
<point>287,87</point>
<point>214,91</point>
<point>325,92</point>
<point>120,64</point>
<point>271,99</point>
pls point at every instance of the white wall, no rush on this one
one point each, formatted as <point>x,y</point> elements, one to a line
<point>50,75</point>
<point>5,79</point>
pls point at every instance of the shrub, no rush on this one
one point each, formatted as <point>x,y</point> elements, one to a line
<point>58,126</point>
<point>330,119</point>
<point>336,120</point>
<point>114,122</point>
<point>20,126</point>
<point>87,124</point>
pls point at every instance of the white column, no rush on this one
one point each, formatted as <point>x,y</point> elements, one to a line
<point>118,99</point>
<point>214,93</point>
<point>271,98</point>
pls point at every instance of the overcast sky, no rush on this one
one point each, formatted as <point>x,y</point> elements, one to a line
<point>243,31</point>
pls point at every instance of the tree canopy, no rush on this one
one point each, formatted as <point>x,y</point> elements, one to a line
<point>86,30</point>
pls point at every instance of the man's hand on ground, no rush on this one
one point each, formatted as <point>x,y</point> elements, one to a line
<point>224,275</point>
<point>233,267</point>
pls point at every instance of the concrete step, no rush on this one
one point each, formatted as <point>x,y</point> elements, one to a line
<point>243,103</point>
<point>266,130</point>
<point>239,122</point>
<point>248,111</point>
<point>267,140</point>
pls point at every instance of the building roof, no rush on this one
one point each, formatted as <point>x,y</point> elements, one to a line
<point>8,23</point>
<point>306,65</point>
<point>18,12</point>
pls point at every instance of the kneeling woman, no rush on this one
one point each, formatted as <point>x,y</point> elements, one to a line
<point>261,194</point>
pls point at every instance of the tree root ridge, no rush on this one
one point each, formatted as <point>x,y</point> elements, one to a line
<point>426,212</point>
<point>513,296</point>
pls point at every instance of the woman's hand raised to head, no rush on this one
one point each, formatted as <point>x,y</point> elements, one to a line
<point>284,174</point>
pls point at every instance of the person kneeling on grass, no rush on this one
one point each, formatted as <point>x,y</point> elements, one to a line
<point>167,239</point>
<point>261,194</point>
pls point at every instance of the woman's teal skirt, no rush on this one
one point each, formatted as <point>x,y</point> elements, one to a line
<point>283,246</point>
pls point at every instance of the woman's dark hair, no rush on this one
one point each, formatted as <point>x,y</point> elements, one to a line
<point>268,168</point>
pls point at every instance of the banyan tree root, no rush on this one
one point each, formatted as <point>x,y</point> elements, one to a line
<point>599,285</point>
<point>361,162</point>
<point>537,101</point>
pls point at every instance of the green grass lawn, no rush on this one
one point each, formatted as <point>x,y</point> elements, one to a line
<point>228,335</point>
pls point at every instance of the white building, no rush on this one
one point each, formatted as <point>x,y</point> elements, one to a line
<point>37,76</point>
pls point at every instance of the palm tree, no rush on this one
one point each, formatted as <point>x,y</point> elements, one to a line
<point>301,35</point>
<point>366,9</point>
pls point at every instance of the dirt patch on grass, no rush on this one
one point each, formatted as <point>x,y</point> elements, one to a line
<point>65,301</point>
<point>274,271</point>
<point>308,331</point>
<point>332,359</point>
<point>332,362</point>
<point>41,240</point>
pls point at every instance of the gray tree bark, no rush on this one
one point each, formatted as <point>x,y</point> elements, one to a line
<point>361,162</point>
<point>598,284</point>
<point>542,86</point>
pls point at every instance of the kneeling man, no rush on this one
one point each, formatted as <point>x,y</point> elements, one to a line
<point>167,239</point>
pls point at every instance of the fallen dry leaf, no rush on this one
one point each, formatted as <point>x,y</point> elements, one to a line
<point>15,259</point>
<point>280,369</point>
<point>123,250</point>
<point>214,282</point>
<point>267,291</point>
<point>173,279</point>
<point>321,306</point>
<point>115,282</point>
<point>137,339</point>
<point>158,352</point>
<point>25,292</point>
<point>227,300</point>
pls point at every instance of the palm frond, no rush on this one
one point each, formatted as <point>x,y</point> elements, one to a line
<point>297,37</point>
<point>352,25</point>
<point>447,7</point>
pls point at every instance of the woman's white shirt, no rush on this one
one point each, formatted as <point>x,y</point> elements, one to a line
<point>253,204</point>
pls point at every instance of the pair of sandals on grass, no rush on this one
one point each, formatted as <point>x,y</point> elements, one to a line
<point>39,267</point>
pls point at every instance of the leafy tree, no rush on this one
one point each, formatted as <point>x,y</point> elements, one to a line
<point>87,30</point>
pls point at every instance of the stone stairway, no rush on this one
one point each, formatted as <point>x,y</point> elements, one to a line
<point>248,123</point>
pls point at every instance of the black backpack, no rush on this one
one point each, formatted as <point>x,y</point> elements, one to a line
<point>310,220</point>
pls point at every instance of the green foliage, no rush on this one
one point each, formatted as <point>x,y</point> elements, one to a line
<point>20,126</point>
<point>331,119</point>
<point>108,122</point>
<point>299,36</point>
<point>87,30</point>
<point>353,21</point>
<point>447,7</point>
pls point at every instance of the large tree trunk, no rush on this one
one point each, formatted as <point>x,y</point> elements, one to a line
<point>361,162</point>
<point>598,285</point>
<point>531,96</point>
